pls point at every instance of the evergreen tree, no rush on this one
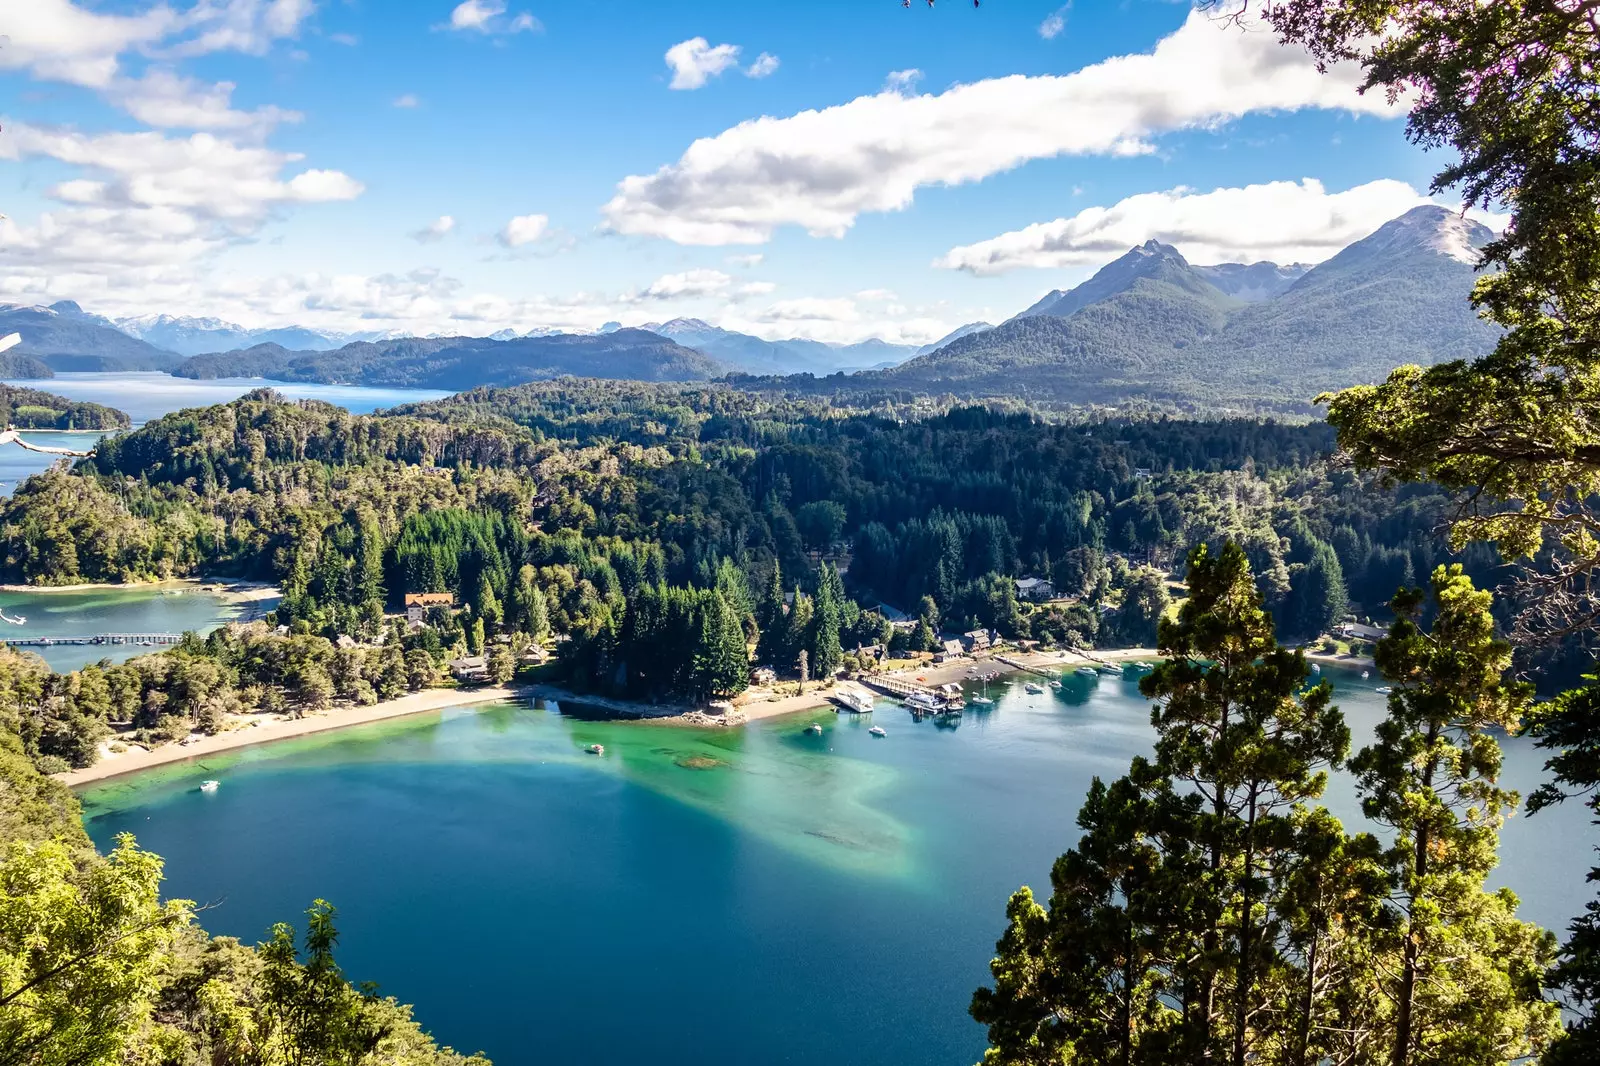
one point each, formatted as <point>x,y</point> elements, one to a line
<point>770,617</point>
<point>1467,976</point>
<point>827,615</point>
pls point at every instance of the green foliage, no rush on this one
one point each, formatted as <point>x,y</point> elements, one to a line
<point>34,409</point>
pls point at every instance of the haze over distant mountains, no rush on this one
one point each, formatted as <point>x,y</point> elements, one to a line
<point>1150,325</point>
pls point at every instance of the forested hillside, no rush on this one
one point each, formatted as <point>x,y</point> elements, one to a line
<point>1150,327</point>
<point>465,362</point>
<point>36,409</point>
<point>568,504</point>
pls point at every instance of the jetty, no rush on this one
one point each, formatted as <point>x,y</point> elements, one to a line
<point>107,639</point>
<point>896,686</point>
<point>1018,664</point>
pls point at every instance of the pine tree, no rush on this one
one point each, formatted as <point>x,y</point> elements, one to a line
<point>827,613</point>
<point>1467,976</point>
<point>770,649</point>
<point>1236,722</point>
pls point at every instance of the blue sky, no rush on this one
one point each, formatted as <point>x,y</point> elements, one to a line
<point>882,171</point>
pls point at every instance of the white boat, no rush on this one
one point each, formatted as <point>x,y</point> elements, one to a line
<point>1111,671</point>
<point>209,786</point>
<point>17,621</point>
<point>1055,684</point>
<point>878,731</point>
<point>925,702</point>
<point>1034,688</point>
<point>814,728</point>
<point>1383,690</point>
<point>981,701</point>
<point>596,749</point>
<point>853,699</point>
<point>1087,671</point>
<point>1365,674</point>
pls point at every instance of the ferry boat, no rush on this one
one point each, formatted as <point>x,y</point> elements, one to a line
<point>854,700</point>
<point>596,749</point>
<point>878,731</point>
<point>209,786</point>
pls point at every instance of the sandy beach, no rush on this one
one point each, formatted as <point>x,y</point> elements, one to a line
<point>264,729</point>
<point>756,705</point>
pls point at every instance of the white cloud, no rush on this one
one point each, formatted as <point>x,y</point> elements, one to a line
<point>407,100</point>
<point>690,284</point>
<point>249,26</point>
<point>695,60</point>
<point>524,229</point>
<point>902,80</point>
<point>1054,23</point>
<point>822,169</point>
<point>436,230</point>
<point>745,262</point>
<point>765,64</point>
<point>1282,221</point>
<point>166,99</point>
<point>754,288</point>
<point>488,17</point>
<point>349,40</point>
<point>878,295</point>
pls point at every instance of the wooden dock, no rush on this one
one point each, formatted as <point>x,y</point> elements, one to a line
<point>98,639</point>
<point>895,686</point>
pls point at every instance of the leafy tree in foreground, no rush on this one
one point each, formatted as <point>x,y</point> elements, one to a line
<point>1467,982</point>
<point>1172,925</point>
<point>1570,726</point>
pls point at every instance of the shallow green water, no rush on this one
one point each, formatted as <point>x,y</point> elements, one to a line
<point>761,895</point>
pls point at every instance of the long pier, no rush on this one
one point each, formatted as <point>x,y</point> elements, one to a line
<point>895,686</point>
<point>108,639</point>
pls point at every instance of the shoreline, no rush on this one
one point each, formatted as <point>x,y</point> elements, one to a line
<point>255,730</point>
<point>263,730</point>
<point>230,589</point>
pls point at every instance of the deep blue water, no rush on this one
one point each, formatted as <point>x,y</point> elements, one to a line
<point>715,899</point>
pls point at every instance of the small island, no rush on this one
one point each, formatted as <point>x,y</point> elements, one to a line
<point>25,408</point>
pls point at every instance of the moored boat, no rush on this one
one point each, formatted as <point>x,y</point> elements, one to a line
<point>596,749</point>
<point>1087,671</point>
<point>854,700</point>
<point>878,731</point>
<point>1034,688</point>
<point>814,729</point>
<point>209,786</point>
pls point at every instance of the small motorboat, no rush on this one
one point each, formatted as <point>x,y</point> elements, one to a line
<point>814,729</point>
<point>1365,674</point>
<point>210,786</point>
<point>596,749</point>
<point>1087,671</point>
<point>1383,690</point>
<point>878,731</point>
<point>1034,688</point>
<point>1111,671</point>
<point>1055,684</point>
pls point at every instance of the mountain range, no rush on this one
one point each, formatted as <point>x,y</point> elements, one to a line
<point>752,355</point>
<point>197,336</point>
<point>1150,325</point>
<point>457,363</point>
<point>65,337</point>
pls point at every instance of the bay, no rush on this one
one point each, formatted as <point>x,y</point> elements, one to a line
<point>171,608</point>
<point>756,895</point>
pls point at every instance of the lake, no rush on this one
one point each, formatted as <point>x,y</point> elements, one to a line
<point>149,395</point>
<point>172,608</point>
<point>755,895</point>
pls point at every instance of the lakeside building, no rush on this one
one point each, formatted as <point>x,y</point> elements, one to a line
<point>418,604</point>
<point>1359,631</point>
<point>470,669</point>
<point>1037,589</point>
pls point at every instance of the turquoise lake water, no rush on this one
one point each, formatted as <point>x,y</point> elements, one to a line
<point>760,895</point>
<point>144,609</point>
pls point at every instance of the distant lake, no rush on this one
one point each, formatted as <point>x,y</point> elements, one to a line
<point>691,898</point>
<point>148,395</point>
<point>90,612</point>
